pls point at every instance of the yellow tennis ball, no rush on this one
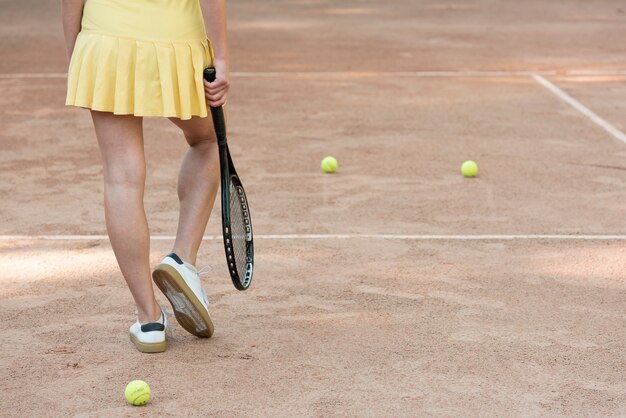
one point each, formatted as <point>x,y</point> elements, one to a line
<point>469,168</point>
<point>137,393</point>
<point>329,164</point>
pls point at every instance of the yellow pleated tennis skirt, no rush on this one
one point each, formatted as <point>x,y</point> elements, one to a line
<point>140,57</point>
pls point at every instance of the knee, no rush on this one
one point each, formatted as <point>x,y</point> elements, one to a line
<point>127,173</point>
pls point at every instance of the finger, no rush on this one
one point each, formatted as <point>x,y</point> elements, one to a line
<point>216,91</point>
<point>215,96</point>
<point>216,84</point>
<point>217,103</point>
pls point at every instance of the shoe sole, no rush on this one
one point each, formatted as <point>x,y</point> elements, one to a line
<point>189,311</point>
<point>148,347</point>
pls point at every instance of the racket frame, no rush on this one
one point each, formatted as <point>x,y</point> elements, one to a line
<point>228,177</point>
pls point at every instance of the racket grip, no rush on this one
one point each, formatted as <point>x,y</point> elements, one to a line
<point>216,112</point>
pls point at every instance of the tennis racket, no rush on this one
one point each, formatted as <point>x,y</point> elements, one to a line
<point>236,223</point>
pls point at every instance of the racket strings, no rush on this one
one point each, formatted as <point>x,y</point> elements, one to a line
<point>238,230</point>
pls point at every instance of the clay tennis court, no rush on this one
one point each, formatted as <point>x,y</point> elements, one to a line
<point>394,287</point>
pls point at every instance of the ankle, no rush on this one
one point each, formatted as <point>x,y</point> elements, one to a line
<point>145,317</point>
<point>184,255</point>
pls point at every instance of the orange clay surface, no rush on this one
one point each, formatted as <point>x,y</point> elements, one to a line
<point>351,326</point>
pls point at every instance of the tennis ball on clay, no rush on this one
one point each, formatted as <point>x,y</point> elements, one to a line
<point>329,164</point>
<point>469,168</point>
<point>137,393</point>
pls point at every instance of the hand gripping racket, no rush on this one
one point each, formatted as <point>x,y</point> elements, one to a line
<point>236,224</point>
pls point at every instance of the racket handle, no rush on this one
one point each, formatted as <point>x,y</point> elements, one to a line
<point>216,112</point>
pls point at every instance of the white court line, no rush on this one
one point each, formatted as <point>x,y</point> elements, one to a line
<point>596,72</point>
<point>416,237</point>
<point>581,108</point>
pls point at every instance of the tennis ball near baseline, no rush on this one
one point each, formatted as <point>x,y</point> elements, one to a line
<point>137,393</point>
<point>329,164</point>
<point>469,168</point>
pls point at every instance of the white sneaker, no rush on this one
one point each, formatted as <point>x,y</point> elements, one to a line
<point>180,283</point>
<point>150,337</point>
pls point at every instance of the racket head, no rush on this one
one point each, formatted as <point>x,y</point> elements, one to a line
<point>237,231</point>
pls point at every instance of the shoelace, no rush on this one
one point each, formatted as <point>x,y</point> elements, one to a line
<point>204,271</point>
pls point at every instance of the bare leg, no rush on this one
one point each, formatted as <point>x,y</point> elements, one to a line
<point>198,182</point>
<point>121,146</point>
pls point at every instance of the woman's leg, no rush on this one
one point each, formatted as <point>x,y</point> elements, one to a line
<point>121,145</point>
<point>198,182</point>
